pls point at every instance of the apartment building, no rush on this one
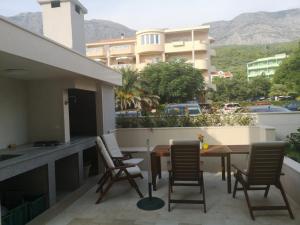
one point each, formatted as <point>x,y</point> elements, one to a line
<point>154,45</point>
<point>265,66</point>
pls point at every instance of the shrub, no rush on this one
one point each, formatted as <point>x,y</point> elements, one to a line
<point>293,150</point>
<point>203,120</point>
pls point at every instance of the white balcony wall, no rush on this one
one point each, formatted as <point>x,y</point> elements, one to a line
<point>284,123</point>
<point>136,137</point>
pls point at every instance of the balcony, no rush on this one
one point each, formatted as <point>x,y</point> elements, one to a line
<point>119,205</point>
<point>185,46</point>
<point>201,64</point>
<point>122,50</point>
<point>95,52</point>
<point>123,66</point>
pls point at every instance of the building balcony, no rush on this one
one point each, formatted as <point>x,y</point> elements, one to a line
<point>185,46</point>
<point>95,52</point>
<point>122,50</point>
<point>150,48</point>
<point>123,66</point>
<point>202,64</point>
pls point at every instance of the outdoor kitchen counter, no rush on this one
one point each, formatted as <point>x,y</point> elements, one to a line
<point>30,158</point>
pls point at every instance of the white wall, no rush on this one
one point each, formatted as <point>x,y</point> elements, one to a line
<point>13,112</point>
<point>135,137</point>
<point>57,23</point>
<point>291,178</point>
<point>284,123</point>
<point>78,35</point>
<point>46,107</point>
<point>105,108</point>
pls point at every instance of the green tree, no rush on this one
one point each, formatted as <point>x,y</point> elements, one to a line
<point>131,95</point>
<point>175,81</point>
<point>278,90</point>
<point>259,86</point>
<point>288,73</point>
<point>234,89</point>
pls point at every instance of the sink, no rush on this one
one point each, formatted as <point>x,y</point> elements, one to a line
<point>7,156</point>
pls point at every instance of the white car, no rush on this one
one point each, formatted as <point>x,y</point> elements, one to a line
<point>230,107</point>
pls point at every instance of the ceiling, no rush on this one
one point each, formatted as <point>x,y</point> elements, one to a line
<point>12,66</point>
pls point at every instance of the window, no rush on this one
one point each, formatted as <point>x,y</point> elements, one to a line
<point>77,9</point>
<point>148,39</point>
<point>152,39</point>
<point>157,38</point>
<point>55,4</point>
<point>143,40</point>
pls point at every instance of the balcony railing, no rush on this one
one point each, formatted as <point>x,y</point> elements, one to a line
<point>201,64</point>
<point>122,50</point>
<point>121,66</point>
<point>185,46</point>
<point>95,52</point>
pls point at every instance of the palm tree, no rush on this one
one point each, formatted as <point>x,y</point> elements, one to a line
<point>130,95</point>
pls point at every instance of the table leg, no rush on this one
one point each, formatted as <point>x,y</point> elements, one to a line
<point>159,167</point>
<point>229,173</point>
<point>155,169</point>
<point>223,167</point>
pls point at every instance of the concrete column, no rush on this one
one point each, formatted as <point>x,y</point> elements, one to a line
<point>105,100</point>
<point>137,59</point>
<point>66,116</point>
<point>51,183</point>
<point>193,50</point>
<point>80,168</point>
<point>163,56</point>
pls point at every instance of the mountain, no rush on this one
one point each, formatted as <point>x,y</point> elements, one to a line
<point>258,28</point>
<point>245,29</point>
<point>94,29</point>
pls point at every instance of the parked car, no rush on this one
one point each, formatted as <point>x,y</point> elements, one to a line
<point>191,109</point>
<point>131,113</point>
<point>293,106</point>
<point>266,108</point>
<point>230,107</point>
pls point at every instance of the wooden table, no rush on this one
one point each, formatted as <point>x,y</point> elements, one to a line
<point>223,151</point>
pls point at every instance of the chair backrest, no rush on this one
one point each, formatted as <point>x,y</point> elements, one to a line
<point>112,145</point>
<point>104,154</point>
<point>265,163</point>
<point>185,160</point>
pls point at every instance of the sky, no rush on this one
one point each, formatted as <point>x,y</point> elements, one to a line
<point>141,14</point>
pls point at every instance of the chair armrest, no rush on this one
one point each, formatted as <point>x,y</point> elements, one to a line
<point>124,166</point>
<point>239,170</point>
<point>120,158</point>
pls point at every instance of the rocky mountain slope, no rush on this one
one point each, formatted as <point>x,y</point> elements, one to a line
<point>247,28</point>
<point>94,29</point>
<point>258,28</point>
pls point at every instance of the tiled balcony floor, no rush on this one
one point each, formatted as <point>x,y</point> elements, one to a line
<point>119,207</point>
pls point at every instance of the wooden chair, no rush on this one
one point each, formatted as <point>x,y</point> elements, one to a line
<point>114,173</point>
<point>115,151</point>
<point>184,170</point>
<point>264,170</point>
